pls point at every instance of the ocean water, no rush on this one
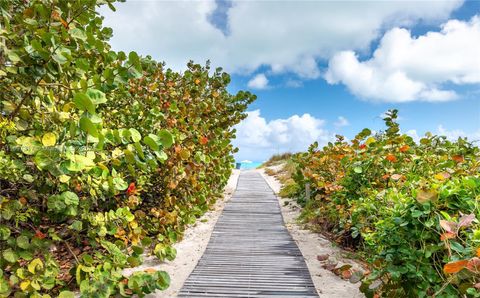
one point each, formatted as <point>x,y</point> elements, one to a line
<point>247,165</point>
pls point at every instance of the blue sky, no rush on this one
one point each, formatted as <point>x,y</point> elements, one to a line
<point>322,67</point>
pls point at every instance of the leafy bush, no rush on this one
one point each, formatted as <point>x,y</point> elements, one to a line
<point>103,156</point>
<point>410,208</point>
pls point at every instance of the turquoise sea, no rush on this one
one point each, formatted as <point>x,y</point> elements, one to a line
<point>246,164</point>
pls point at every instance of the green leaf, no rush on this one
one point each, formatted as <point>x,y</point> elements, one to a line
<point>87,126</point>
<point>135,135</point>
<point>151,141</point>
<point>417,213</point>
<point>22,242</point>
<point>10,255</point>
<point>120,184</point>
<point>13,57</point>
<point>29,145</point>
<point>70,198</point>
<point>4,232</point>
<point>96,96</point>
<point>76,225</point>
<point>166,138</point>
<point>46,157</point>
<point>358,170</point>
<point>163,281</point>
<point>77,33</point>
<point>78,163</point>
<point>66,294</point>
<point>84,103</point>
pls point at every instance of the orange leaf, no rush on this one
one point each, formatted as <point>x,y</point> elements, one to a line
<point>203,140</point>
<point>457,158</point>
<point>39,234</point>
<point>478,252</point>
<point>391,158</point>
<point>454,267</point>
<point>397,177</point>
<point>363,146</point>
<point>447,235</point>
<point>150,270</point>
<point>448,226</point>
<point>404,148</point>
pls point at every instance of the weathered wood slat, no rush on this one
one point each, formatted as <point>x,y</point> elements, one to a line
<point>250,252</point>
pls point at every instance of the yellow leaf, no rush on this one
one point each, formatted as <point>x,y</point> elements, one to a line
<point>370,140</point>
<point>64,178</point>
<point>36,263</point>
<point>442,176</point>
<point>24,285</point>
<point>426,196</point>
<point>49,139</point>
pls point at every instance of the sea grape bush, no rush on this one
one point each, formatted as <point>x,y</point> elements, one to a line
<point>104,156</point>
<point>410,208</point>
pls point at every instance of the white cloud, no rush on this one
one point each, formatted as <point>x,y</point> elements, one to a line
<point>405,68</point>
<point>454,134</point>
<point>341,122</point>
<point>260,81</point>
<point>451,134</point>
<point>294,83</point>
<point>285,36</point>
<point>258,138</point>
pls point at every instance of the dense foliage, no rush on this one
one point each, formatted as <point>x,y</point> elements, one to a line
<point>103,156</point>
<point>410,208</point>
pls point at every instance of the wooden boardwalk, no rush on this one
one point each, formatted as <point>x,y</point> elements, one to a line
<point>250,253</point>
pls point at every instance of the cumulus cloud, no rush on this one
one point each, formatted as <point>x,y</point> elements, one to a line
<point>341,122</point>
<point>406,68</point>
<point>258,138</point>
<point>284,36</point>
<point>260,81</point>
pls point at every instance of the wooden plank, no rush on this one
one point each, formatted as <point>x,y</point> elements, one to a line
<point>250,252</point>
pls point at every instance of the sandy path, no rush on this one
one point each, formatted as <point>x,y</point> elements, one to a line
<point>191,248</point>
<point>311,245</point>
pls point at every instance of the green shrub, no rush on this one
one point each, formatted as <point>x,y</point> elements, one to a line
<point>410,208</point>
<point>104,156</point>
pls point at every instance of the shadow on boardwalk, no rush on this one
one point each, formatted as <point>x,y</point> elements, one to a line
<point>250,253</point>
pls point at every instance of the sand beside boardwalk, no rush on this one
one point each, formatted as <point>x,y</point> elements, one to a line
<point>191,248</point>
<point>311,245</point>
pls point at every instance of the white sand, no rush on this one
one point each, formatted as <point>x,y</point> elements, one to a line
<point>311,245</point>
<point>191,248</point>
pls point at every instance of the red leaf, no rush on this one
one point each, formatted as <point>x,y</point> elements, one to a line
<point>131,189</point>
<point>474,264</point>
<point>39,234</point>
<point>363,146</point>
